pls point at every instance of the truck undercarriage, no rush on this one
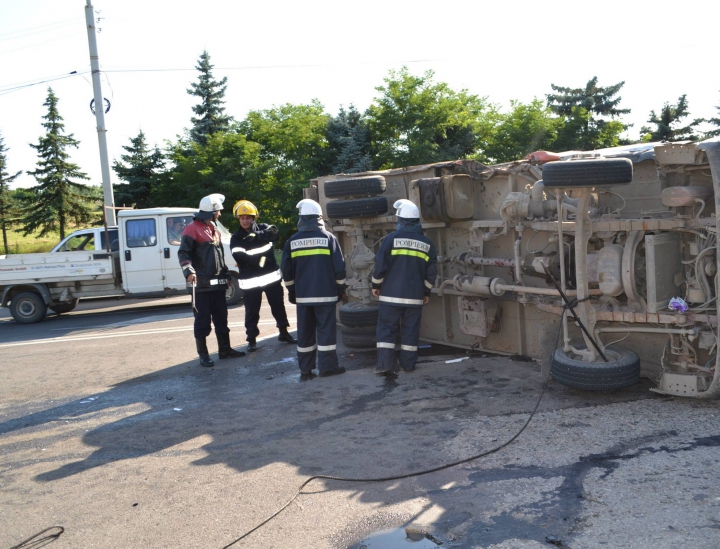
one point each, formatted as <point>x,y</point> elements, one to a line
<point>628,235</point>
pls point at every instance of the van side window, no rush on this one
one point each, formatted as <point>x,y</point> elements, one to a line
<point>140,233</point>
<point>175,226</point>
<point>113,234</point>
<point>78,242</point>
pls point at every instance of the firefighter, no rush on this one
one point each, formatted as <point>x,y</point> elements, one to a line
<point>252,248</point>
<point>314,272</point>
<point>403,276</point>
<point>203,263</point>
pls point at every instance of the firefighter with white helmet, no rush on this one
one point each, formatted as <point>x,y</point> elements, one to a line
<point>252,248</point>
<point>314,272</point>
<point>202,260</point>
<point>402,278</point>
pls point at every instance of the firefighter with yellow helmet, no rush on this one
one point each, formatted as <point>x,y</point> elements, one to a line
<point>252,248</point>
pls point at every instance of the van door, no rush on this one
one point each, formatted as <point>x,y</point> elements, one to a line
<point>141,255</point>
<point>171,234</point>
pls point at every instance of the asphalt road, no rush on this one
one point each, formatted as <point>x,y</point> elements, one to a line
<point>109,428</point>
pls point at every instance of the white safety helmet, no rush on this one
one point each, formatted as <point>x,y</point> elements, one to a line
<point>309,207</point>
<point>405,208</point>
<point>210,204</point>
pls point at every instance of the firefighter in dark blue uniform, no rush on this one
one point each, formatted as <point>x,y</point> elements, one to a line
<point>403,276</point>
<point>314,272</point>
<point>252,248</point>
<point>202,260</point>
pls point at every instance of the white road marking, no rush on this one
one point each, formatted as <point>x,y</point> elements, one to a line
<point>90,336</point>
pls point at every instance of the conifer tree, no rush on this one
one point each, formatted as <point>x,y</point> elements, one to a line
<point>348,136</point>
<point>667,123</point>
<point>140,169</point>
<point>715,122</point>
<point>211,113</point>
<point>8,207</point>
<point>585,112</point>
<point>57,200</point>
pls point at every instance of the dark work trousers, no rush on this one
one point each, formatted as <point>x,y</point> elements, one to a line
<point>316,334</point>
<point>210,305</point>
<point>253,299</point>
<point>389,316</point>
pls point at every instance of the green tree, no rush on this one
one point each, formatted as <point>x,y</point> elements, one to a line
<point>227,164</point>
<point>140,169</point>
<point>590,115</point>
<point>211,117</point>
<point>56,199</point>
<point>348,137</point>
<point>526,128</point>
<point>293,150</point>
<point>715,122</point>
<point>668,123</point>
<point>416,121</point>
<point>8,206</point>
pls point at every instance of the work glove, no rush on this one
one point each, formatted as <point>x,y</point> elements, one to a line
<point>341,289</point>
<point>291,294</point>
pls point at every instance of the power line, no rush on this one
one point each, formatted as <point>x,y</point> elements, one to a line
<point>16,88</point>
<point>58,24</point>
<point>39,43</point>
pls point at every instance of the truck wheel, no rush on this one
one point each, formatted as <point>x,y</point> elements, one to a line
<point>621,370</point>
<point>27,308</point>
<point>360,338</point>
<point>356,186</point>
<point>233,295</point>
<point>359,207</point>
<point>587,173</point>
<point>66,307</point>
<point>357,314</point>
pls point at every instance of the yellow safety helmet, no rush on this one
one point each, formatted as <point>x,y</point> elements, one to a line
<point>244,207</point>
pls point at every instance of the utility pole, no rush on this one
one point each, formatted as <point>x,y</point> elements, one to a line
<point>108,199</point>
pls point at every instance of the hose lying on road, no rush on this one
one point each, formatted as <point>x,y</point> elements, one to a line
<point>36,541</point>
<point>418,473</point>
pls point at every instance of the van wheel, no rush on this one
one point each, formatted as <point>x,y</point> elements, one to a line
<point>357,314</point>
<point>356,186</point>
<point>621,370</point>
<point>359,207</point>
<point>27,308</point>
<point>233,295</point>
<point>360,338</point>
<point>587,173</point>
<point>65,307</point>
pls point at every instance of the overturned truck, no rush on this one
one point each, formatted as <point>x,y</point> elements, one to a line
<point>612,252</point>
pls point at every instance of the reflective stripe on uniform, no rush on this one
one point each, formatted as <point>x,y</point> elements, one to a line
<point>377,280</point>
<point>326,347</point>
<point>408,347</point>
<point>383,345</point>
<point>340,281</point>
<point>316,251</point>
<point>316,299</point>
<point>400,300</point>
<point>428,285</point>
<point>306,349</point>
<point>260,250</point>
<point>259,281</point>
<point>289,282</point>
<point>413,253</point>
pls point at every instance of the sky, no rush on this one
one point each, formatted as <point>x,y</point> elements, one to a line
<point>287,51</point>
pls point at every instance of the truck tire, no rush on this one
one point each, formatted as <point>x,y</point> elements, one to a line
<point>357,314</point>
<point>66,307</point>
<point>358,207</point>
<point>359,338</point>
<point>587,173</point>
<point>356,186</point>
<point>27,308</point>
<point>621,370</point>
<point>233,295</point>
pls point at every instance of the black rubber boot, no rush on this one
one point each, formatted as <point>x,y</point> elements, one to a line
<point>252,345</point>
<point>337,371</point>
<point>224,348</point>
<point>285,336</point>
<point>202,351</point>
